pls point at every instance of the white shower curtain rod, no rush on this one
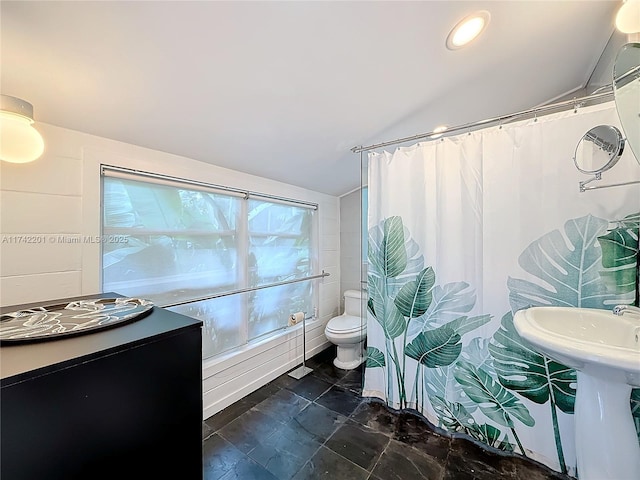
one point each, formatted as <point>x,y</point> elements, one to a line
<point>575,103</point>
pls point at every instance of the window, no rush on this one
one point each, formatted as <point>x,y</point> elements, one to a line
<point>180,243</point>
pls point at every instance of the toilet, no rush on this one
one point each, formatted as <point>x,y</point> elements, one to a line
<point>348,332</point>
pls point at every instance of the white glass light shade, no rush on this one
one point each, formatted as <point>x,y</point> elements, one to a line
<point>19,141</point>
<point>628,17</point>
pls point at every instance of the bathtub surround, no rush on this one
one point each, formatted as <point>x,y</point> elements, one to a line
<point>57,198</point>
<point>465,231</point>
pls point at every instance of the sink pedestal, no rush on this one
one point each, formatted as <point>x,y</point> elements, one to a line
<point>606,440</point>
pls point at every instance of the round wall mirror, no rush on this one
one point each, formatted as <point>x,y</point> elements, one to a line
<point>599,149</point>
<point>626,87</point>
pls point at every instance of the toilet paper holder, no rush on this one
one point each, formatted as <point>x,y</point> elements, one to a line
<point>302,370</point>
<point>297,317</point>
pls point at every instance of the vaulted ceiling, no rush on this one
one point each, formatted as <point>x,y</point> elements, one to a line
<point>284,89</point>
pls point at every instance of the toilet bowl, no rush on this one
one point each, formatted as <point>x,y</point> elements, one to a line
<point>348,332</point>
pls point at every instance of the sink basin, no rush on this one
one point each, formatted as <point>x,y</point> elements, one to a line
<point>586,339</point>
<point>604,349</point>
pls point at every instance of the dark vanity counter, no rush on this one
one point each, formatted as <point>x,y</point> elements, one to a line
<point>120,402</point>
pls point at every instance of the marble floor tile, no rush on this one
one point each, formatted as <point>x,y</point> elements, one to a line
<point>285,451</point>
<point>246,431</point>
<point>319,421</point>
<point>328,465</point>
<point>359,444</point>
<point>310,387</point>
<point>400,462</point>
<point>339,400</point>
<point>282,405</point>
<point>352,381</point>
<point>219,457</point>
<point>319,427</point>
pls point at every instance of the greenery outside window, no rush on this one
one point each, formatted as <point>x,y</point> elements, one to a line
<point>177,243</point>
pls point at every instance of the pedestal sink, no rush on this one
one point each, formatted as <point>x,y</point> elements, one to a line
<point>604,348</point>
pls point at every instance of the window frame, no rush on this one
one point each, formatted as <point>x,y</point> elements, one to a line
<point>242,230</point>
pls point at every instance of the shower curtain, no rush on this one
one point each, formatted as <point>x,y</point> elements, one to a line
<point>465,231</point>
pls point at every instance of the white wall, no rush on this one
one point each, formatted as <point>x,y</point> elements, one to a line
<point>57,197</point>
<point>603,72</point>
<point>350,241</point>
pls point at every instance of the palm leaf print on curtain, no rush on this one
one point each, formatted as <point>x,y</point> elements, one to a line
<point>579,268</point>
<point>480,387</point>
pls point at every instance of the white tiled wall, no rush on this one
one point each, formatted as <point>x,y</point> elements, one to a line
<point>57,197</point>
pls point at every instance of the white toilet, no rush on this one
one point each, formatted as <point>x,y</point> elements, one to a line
<point>348,332</point>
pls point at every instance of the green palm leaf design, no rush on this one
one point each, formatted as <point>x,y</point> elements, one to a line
<point>464,325</point>
<point>491,436</point>
<point>494,400</point>
<point>620,257</point>
<point>387,253</point>
<point>569,267</point>
<point>635,409</point>
<point>522,369</point>
<point>477,353</point>
<point>453,416</point>
<point>621,274</point>
<point>392,322</point>
<point>434,348</point>
<point>449,302</point>
<point>383,309</point>
<point>568,263</point>
<point>375,358</point>
<point>395,261</point>
<point>414,297</point>
<point>630,221</point>
<point>376,294</point>
<point>440,382</point>
<point>385,258</point>
<point>456,418</point>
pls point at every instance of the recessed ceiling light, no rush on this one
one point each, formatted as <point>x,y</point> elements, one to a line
<point>468,29</point>
<point>437,132</point>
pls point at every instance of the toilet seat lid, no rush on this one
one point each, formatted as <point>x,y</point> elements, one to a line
<point>345,323</point>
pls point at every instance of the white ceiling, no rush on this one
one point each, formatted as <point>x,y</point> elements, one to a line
<point>284,89</point>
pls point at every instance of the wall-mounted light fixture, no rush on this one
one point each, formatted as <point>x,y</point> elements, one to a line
<point>19,141</point>
<point>628,17</point>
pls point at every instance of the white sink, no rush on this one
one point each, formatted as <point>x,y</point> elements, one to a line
<point>587,339</point>
<point>605,350</point>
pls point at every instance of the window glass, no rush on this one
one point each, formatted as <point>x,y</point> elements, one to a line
<point>183,245</point>
<point>222,325</point>
<point>180,243</point>
<point>279,242</point>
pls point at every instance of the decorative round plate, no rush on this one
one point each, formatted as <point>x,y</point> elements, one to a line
<point>74,318</point>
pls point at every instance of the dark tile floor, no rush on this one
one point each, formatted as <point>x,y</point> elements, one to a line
<point>320,427</point>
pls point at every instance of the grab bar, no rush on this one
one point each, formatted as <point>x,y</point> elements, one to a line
<point>244,290</point>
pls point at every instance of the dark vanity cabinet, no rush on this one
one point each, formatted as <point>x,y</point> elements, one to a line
<point>124,402</point>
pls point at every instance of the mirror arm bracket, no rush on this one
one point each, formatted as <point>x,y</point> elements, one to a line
<point>584,188</point>
<point>584,183</point>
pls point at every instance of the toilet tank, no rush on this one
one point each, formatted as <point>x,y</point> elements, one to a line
<point>352,302</point>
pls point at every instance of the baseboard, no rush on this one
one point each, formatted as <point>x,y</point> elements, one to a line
<point>271,368</point>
